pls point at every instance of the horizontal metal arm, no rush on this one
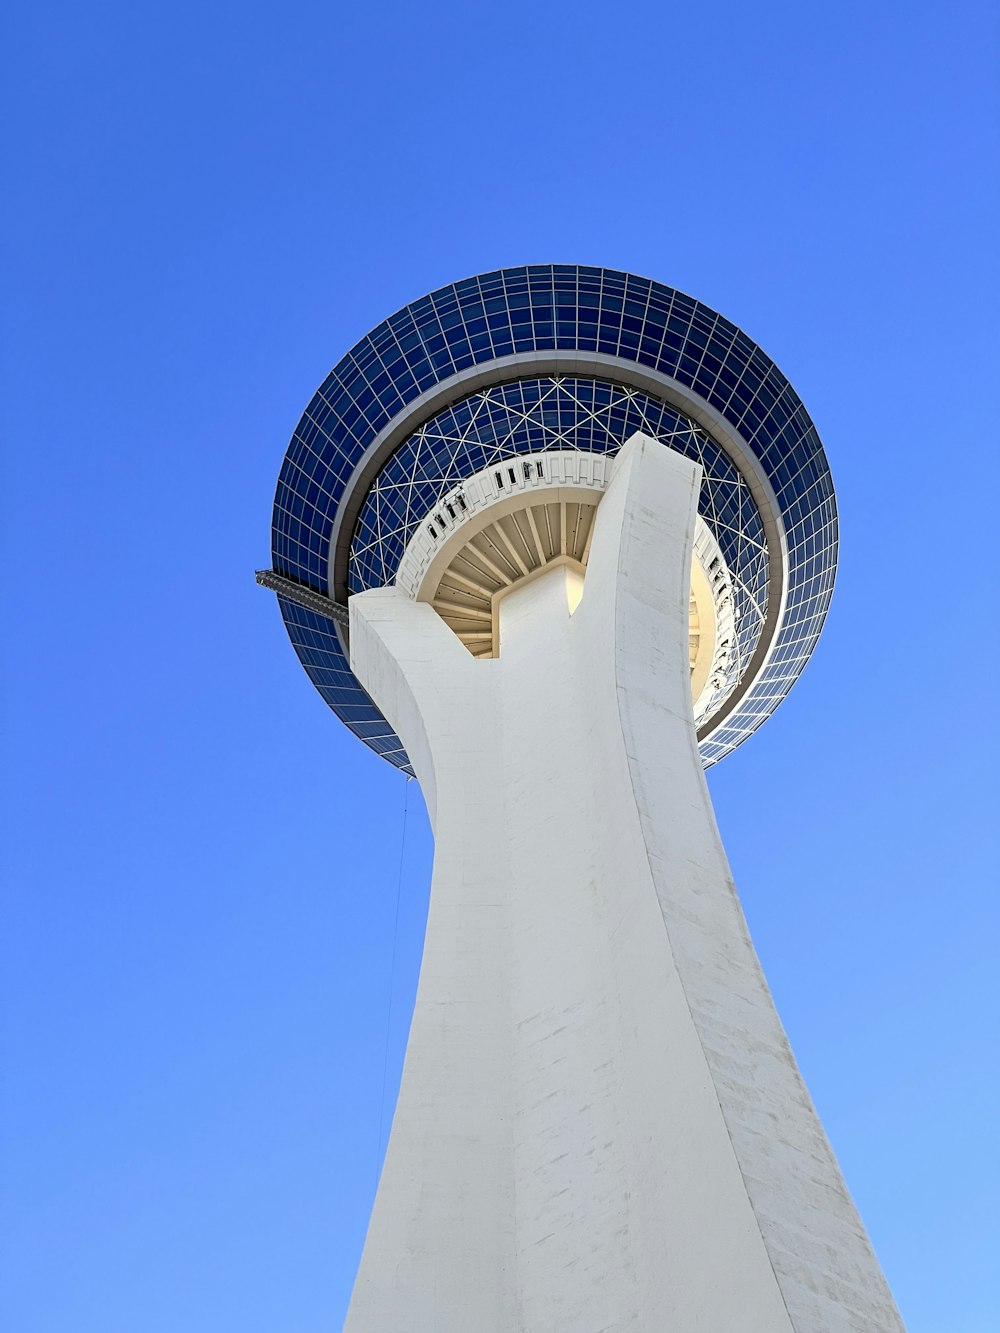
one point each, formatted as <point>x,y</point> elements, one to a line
<point>303,596</point>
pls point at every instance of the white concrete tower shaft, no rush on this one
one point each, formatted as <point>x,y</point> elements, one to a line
<point>600,1125</point>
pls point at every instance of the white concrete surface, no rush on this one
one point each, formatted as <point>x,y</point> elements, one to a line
<point>600,1125</point>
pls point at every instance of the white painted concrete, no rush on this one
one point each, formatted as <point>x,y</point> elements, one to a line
<point>601,1125</point>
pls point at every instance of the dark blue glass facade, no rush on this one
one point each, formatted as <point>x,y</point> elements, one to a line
<point>540,309</point>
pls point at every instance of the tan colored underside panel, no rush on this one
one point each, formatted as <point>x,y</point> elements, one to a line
<point>517,545</point>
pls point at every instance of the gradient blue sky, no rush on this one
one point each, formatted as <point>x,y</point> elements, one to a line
<point>206,205</point>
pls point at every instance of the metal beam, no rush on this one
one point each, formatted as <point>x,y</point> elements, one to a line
<point>303,596</point>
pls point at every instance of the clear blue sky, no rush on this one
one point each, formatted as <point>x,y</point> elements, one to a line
<point>206,205</point>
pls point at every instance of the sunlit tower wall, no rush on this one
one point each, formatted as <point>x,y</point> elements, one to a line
<point>555,540</point>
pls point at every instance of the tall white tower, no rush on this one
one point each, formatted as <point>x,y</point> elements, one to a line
<point>574,578</point>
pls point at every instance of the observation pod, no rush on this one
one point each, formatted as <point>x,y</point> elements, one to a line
<point>554,540</point>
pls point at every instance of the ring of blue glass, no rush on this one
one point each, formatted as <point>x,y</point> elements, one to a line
<point>540,309</point>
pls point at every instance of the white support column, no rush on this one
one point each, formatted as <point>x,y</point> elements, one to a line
<point>601,1125</point>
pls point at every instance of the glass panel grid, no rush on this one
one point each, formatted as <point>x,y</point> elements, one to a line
<point>537,309</point>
